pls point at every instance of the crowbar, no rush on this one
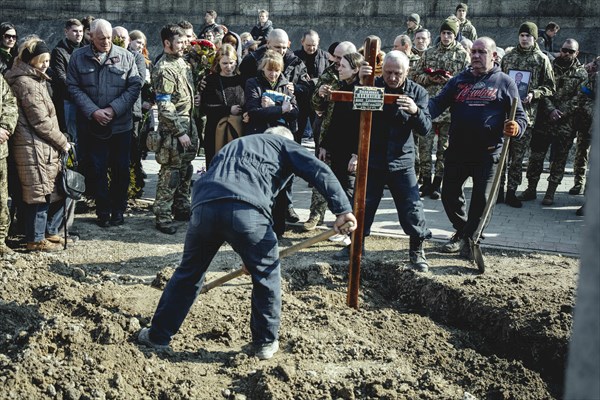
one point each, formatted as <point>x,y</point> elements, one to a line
<point>283,253</point>
<point>476,238</point>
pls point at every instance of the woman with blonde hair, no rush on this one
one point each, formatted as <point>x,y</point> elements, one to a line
<point>36,145</point>
<point>223,102</point>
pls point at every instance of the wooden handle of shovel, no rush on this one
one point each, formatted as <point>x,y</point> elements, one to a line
<point>284,253</point>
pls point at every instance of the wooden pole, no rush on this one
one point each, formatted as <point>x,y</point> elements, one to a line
<point>372,45</point>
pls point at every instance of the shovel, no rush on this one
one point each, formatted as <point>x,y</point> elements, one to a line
<point>284,253</point>
<point>476,238</point>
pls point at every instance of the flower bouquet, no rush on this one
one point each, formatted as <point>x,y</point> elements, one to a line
<point>201,57</point>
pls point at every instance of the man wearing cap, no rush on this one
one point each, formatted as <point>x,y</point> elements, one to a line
<point>465,26</point>
<point>413,24</point>
<point>438,64</point>
<point>557,126</point>
<point>526,56</point>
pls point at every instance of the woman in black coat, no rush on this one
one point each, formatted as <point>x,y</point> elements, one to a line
<point>223,96</point>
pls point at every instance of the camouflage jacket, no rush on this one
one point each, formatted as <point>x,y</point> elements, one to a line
<point>9,113</point>
<point>541,82</point>
<point>453,58</point>
<point>568,85</point>
<point>467,30</point>
<point>172,80</point>
<point>321,104</point>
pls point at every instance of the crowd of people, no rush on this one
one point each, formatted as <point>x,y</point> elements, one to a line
<point>98,95</point>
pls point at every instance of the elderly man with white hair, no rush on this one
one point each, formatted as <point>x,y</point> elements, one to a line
<point>391,155</point>
<point>104,82</point>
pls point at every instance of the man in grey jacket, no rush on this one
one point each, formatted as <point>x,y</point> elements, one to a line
<point>104,82</point>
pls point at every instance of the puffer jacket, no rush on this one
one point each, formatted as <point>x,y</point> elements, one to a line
<point>37,141</point>
<point>261,117</point>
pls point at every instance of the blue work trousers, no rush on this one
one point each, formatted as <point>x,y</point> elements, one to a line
<point>250,234</point>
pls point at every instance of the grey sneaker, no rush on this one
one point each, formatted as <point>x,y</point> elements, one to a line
<point>418,262</point>
<point>267,350</point>
<point>144,338</point>
<point>466,252</point>
<point>454,245</point>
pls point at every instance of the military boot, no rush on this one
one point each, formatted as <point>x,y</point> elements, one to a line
<point>418,262</point>
<point>530,193</point>
<point>576,189</point>
<point>312,222</point>
<point>512,200</point>
<point>436,188</point>
<point>425,189</point>
<point>549,197</point>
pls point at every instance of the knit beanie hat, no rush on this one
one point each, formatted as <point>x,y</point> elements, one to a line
<point>415,18</point>
<point>450,25</point>
<point>529,27</point>
<point>40,48</point>
<point>462,6</point>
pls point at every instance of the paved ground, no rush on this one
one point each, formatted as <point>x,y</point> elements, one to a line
<point>533,227</point>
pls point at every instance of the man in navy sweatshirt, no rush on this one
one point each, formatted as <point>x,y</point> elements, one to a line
<point>232,203</point>
<point>480,99</point>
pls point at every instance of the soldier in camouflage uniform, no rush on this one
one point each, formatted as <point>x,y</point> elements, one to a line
<point>9,113</point>
<point>450,56</point>
<point>526,56</point>
<point>327,82</point>
<point>172,80</point>
<point>465,26</point>
<point>556,126</point>
<point>583,124</point>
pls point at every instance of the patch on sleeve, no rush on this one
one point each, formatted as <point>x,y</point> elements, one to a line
<point>163,97</point>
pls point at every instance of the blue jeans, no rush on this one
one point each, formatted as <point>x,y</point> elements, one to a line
<point>250,234</point>
<point>453,196</point>
<point>38,221</point>
<point>405,192</point>
<point>102,155</point>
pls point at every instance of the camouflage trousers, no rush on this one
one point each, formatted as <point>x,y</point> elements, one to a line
<point>426,149</point>
<point>173,191</point>
<point>4,214</point>
<point>560,136</point>
<point>174,179</point>
<point>516,154</point>
<point>584,140</point>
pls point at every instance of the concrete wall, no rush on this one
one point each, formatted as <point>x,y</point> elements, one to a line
<point>334,20</point>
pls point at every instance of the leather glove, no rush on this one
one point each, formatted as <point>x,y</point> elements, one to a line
<point>511,128</point>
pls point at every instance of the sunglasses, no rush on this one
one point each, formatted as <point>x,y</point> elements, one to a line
<point>7,36</point>
<point>570,51</point>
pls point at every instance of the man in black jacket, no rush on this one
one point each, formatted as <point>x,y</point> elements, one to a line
<point>295,72</point>
<point>391,154</point>
<point>316,61</point>
<point>66,110</point>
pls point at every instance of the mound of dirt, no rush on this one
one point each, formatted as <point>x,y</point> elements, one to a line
<point>68,323</point>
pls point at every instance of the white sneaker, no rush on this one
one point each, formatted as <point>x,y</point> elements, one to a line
<point>339,238</point>
<point>267,350</point>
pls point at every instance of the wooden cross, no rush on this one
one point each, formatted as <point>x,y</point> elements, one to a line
<point>372,45</point>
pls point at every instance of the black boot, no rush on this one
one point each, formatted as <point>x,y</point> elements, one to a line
<point>512,200</point>
<point>418,262</point>
<point>435,188</point>
<point>500,198</point>
<point>425,188</point>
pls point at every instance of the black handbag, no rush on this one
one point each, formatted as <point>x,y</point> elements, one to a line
<point>72,182</point>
